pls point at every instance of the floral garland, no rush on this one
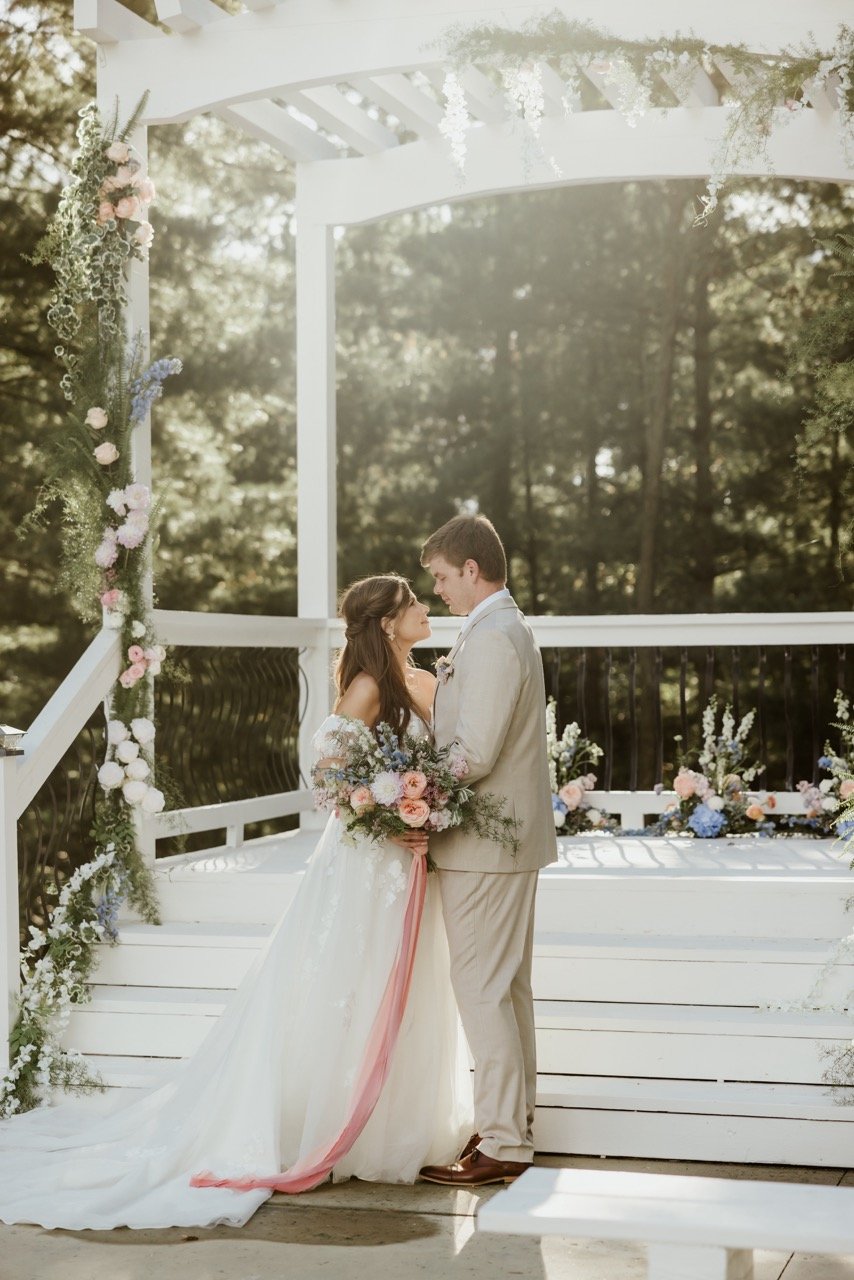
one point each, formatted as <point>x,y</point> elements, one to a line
<point>762,90</point>
<point>100,225</point>
<point>570,757</point>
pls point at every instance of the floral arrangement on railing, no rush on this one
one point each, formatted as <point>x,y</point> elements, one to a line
<point>763,90</point>
<point>824,801</point>
<point>714,799</point>
<point>570,757</point>
<point>100,226</point>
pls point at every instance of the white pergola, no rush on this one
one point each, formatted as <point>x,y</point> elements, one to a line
<point>349,92</point>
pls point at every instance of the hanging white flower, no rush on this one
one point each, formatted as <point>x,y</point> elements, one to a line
<point>137,769</point>
<point>137,629</point>
<point>127,751</point>
<point>111,775</point>
<point>117,732</point>
<point>134,791</point>
<point>456,121</point>
<point>143,730</point>
<point>523,88</point>
<point>153,801</point>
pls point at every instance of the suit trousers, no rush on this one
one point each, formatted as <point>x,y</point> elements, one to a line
<point>489,918</point>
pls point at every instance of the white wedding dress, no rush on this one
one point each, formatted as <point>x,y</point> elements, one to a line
<point>271,1081</point>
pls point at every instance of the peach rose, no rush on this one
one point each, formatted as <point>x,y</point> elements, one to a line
<point>755,812</point>
<point>414,812</point>
<point>144,188</point>
<point>118,152</point>
<point>683,785</point>
<point>136,653</point>
<point>771,802</point>
<point>106,213</point>
<point>846,788</point>
<point>106,453</point>
<point>128,207</point>
<point>571,794</point>
<point>414,785</point>
<point>361,799</point>
<point>124,175</point>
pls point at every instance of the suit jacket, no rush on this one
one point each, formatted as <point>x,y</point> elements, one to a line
<point>493,704</point>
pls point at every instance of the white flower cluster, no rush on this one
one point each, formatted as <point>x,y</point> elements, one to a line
<point>632,94</point>
<point>456,121</point>
<point>128,769</point>
<point>523,88</point>
<point>131,504</point>
<point>48,994</point>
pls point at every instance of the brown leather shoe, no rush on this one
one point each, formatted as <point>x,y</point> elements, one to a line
<point>474,1170</point>
<point>469,1147</point>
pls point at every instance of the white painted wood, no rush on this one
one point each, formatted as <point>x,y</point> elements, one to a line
<point>699,91</point>
<point>397,95</point>
<point>9,961</point>
<point>486,102</point>
<point>63,716</point>
<point>559,98</point>
<point>674,1209</point>
<point>107,22</point>
<point>279,129</point>
<point>700,1262</point>
<point>213,817</point>
<point>237,630</point>
<point>186,16</point>
<point>334,111</point>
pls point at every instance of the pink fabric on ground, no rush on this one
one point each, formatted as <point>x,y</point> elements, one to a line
<point>311,1170</point>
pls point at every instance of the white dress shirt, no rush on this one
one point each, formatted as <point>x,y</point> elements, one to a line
<point>502,594</point>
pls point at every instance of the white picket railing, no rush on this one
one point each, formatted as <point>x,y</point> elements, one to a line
<point>65,715</point>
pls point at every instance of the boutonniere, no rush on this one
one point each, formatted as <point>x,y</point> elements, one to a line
<point>444,670</point>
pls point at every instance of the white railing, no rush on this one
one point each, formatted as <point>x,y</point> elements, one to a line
<point>89,682</point>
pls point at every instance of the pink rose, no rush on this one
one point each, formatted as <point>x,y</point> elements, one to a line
<point>128,207</point>
<point>111,598</point>
<point>106,213</point>
<point>124,175</point>
<point>144,235</point>
<point>414,785</point>
<point>414,812</point>
<point>571,794</point>
<point>118,152</point>
<point>361,799</point>
<point>683,784</point>
<point>755,812</point>
<point>136,653</point>
<point>106,453</point>
<point>129,678</point>
<point>846,788</point>
<point>144,188</point>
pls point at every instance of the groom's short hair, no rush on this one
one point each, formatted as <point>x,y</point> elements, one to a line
<point>468,538</point>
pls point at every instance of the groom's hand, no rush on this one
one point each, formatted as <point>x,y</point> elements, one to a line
<point>414,841</point>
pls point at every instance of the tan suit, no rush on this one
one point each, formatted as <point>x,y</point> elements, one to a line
<point>493,704</point>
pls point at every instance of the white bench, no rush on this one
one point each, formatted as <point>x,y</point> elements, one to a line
<point>694,1228</point>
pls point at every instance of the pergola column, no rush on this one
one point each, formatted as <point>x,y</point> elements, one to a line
<point>317,540</point>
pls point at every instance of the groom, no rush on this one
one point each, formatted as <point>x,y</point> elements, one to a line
<point>491,700</point>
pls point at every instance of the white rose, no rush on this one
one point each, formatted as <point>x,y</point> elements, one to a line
<point>116,500</point>
<point>134,791</point>
<point>137,769</point>
<point>594,816</point>
<point>826,785</point>
<point>715,802</point>
<point>830,804</point>
<point>153,800</point>
<point>143,730</point>
<point>560,818</point>
<point>117,732</point>
<point>111,775</point>
<point>118,152</point>
<point>137,629</point>
<point>144,235</point>
<point>97,418</point>
<point>154,668</point>
<point>114,620</point>
<point>106,453</point>
<point>127,751</point>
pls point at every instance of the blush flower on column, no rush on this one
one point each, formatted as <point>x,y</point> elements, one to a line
<point>128,207</point>
<point>414,812</point>
<point>106,554</point>
<point>137,497</point>
<point>130,536</point>
<point>136,653</point>
<point>118,152</point>
<point>144,235</point>
<point>571,794</point>
<point>106,453</point>
<point>106,213</point>
<point>414,784</point>
<point>144,188</point>
<point>97,418</point>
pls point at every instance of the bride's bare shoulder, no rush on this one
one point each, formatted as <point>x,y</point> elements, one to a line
<point>361,699</point>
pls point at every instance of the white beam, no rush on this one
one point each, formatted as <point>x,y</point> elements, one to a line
<point>108,22</point>
<point>485,102</point>
<point>697,91</point>
<point>588,147</point>
<point>186,16</point>
<point>558,95</point>
<point>400,98</point>
<point>279,129</point>
<point>330,108</point>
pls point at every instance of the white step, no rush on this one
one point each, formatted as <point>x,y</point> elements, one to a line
<point>674,970</point>
<point>582,1038</point>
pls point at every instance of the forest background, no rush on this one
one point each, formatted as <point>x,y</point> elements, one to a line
<point>625,394</point>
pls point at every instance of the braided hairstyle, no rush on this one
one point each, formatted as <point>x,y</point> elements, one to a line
<point>368,647</point>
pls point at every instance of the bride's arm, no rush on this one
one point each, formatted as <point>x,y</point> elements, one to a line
<point>360,701</point>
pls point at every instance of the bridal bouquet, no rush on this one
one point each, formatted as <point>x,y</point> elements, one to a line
<point>385,784</point>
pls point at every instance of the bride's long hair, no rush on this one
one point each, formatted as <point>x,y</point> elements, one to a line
<point>368,648</point>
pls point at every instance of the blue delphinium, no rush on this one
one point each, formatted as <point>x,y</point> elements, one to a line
<point>706,822</point>
<point>107,911</point>
<point>825,762</point>
<point>148,387</point>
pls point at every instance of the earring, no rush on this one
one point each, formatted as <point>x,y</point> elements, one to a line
<point>390,635</point>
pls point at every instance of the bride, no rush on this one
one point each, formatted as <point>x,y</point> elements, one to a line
<point>273,1082</point>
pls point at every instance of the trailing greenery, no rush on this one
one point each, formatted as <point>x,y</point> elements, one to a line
<point>759,88</point>
<point>98,227</point>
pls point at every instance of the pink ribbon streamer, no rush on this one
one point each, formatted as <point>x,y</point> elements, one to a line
<point>313,1168</point>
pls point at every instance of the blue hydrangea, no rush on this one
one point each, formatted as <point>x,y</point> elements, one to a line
<point>825,762</point>
<point>558,805</point>
<point>845,827</point>
<point>706,822</point>
<point>148,387</point>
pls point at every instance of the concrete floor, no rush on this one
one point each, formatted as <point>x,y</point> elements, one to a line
<point>365,1231</point>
